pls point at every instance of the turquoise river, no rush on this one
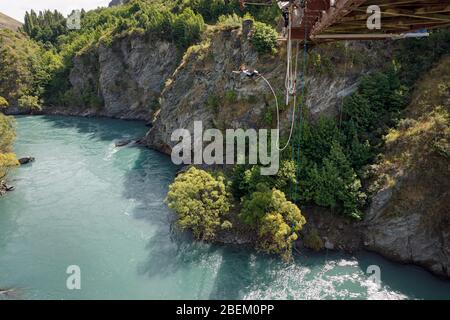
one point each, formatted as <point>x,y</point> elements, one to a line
<point>85,202</point>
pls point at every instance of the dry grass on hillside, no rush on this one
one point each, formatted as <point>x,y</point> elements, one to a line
<point>416,161</point>
<point>8,22</point>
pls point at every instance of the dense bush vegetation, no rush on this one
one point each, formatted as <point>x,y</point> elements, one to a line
<point>25,69</point>
<point>276,220</point>
<point>417,56</point>
<point>264,38</point>
<point>333,154</point>
<point>45,27</point>
<point>245,179</point>
<point>201,202</point>
<point>3,103</point>
<point>211,10</point>
<point>7,136</point>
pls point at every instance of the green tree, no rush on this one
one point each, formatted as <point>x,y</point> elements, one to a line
<point>7,136</point>
<point>245,179</point>
<point>264,38</point>
<point>201,203</point>
<point>338,185</point>
<point>30,102</point>
<point>188,28</point>
<point>45,26</point>
<point>3,103</point>
<point>277,220</point>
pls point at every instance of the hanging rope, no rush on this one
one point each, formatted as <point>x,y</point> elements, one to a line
<point>296,151</point>
<point>290,82</point>
<point>291,70</point>
<point>278,117</point>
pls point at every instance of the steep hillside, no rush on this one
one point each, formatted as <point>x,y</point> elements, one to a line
<point>25,69</point>
<point>121,80</point>
<point>205,88</point>
<point>409,219</point>
<point>8,22</point>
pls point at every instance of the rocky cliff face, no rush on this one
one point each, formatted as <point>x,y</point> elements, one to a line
<point>124,79</point>
<point>409,216</point>
<point>409,219</point>
<point>204,87</point>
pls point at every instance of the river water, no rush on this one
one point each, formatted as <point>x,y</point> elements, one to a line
<point>89,204</point>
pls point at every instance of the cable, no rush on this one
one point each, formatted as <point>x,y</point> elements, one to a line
<point>291,75</point>
<point>278,116</point>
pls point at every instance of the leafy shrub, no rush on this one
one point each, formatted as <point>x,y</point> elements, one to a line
<point>313,241</point>
<point>201,203</point>
<point>7,160</point>
<point>276,220</point>
<point>416,56</point>
<point>7,136</point>
<point>187,28</point>
<point>45,27</point>
<point>3,103</point>
<point>264,38</point>
<point>212,10</point>
<point>7,133</point>
<point>231,97</point>
<point>246,179</point>
<point>30,102</point>
<point>230,21</point>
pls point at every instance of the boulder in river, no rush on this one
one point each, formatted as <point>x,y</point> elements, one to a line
<point>5,188</point>
<point>26,160</point>
<point>122,143</point>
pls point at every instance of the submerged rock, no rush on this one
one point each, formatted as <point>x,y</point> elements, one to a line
<point>123,143</point>
<point>26,160</point>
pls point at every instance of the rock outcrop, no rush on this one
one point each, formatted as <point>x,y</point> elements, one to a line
<point>409,219</point>
<point>204,87</point>
<point>123,80</point>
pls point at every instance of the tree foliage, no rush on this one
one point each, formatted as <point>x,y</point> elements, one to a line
<point>211,10</point>
<point>277,220</point>
<point>245,179</point>
<point>45,26</point>
<point>201,202</point>
<point>416,56</point>
<point>26,68</point>
<point>7,136</point>
<point>3,103</point>
<point>264,38</point>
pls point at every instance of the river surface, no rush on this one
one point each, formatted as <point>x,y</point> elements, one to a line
<point>86,203</point>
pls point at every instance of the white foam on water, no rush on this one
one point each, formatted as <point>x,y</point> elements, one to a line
<point>111,151</point>
<point>336,279</point>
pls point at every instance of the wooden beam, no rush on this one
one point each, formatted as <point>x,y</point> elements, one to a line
<point>333,14</point>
